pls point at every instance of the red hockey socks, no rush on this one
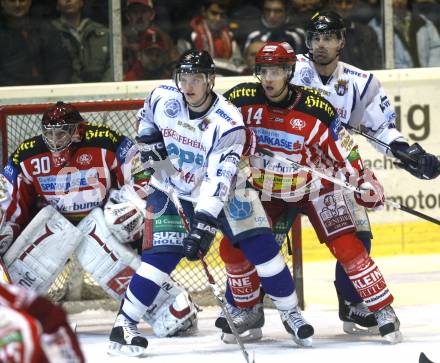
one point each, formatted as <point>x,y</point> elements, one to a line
<point>242,276</point>
<point>362,271</point>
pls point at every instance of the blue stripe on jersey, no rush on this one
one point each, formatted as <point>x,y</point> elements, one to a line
<point>366,86</point>
<point>354,99</point>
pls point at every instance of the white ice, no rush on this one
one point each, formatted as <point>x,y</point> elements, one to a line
<point>414,281</point>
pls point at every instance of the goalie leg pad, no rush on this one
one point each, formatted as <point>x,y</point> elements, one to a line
<point>40,252</point>
<point>179,318</point>
<point>170,313</point>
<point>110,263</point>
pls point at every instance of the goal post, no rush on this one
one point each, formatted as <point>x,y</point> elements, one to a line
<point>20,122</point>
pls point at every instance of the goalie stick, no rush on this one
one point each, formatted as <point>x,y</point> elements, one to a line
<point>213,285</point>
<point>424,359</point>
<point>345,185</point>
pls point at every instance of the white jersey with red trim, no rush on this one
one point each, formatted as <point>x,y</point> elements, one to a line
<point>358,97</point>
<point>306,129</point>
<point>204,151</point>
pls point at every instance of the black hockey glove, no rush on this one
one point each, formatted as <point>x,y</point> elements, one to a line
<point>200,237</point>
<point>416,160</point>
<point>152,148</point>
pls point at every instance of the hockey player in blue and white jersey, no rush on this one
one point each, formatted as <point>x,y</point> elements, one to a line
<point>191,140</point>
<point>361,103</point>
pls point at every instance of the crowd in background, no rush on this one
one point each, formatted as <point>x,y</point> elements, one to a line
<point>68,41</point>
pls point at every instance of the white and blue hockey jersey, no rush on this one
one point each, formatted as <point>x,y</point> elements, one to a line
<point>358,97</point>
<point>204,152</point>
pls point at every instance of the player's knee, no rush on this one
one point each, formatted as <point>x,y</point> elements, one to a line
<point>347,248</point>
<point>230,254</point>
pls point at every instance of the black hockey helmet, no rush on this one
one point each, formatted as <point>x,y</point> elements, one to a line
<point>59,124</point>
<point>195,61</point>
<point>325,22</point>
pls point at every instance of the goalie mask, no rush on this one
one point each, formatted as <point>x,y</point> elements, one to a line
<point>194,76</point>
<point>59,126</point>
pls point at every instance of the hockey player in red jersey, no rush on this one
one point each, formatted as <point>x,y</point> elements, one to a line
<point>83,181</point>
<point>296,123</point>
<point>34,330</point>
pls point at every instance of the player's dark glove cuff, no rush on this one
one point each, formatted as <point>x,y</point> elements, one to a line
<point>199,239</point>
<point>416,160</point>
<point>152,147</point>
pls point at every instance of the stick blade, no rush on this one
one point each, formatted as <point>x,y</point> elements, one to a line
<point>424,359</point>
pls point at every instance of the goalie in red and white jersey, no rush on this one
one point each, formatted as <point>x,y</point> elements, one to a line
<point>34,330</point>
<point>83,181</point>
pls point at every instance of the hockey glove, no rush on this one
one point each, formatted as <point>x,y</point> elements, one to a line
<point>373,195</point>
<point>416,160</point>
<point>200,237</point>
<point>251,142</point>
<point>152,148</point>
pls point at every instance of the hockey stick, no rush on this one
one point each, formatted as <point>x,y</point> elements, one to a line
<point>4,274</point>
<point>345,185</point>
<point>398,153</point>
<point>214,287</point>
<point>424,359</point>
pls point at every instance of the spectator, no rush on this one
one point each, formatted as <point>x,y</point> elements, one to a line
<point>249,55</point>
<point>245,17</point>
<point>429,9</point>
<point>274,26</point>
<point>300,11</point>
<point>32,51</point>
<point>357,35</point>
<point>153,60</point>
<point>140,15</point>
<point>87,41</point>
<point>209,31</point>
<point>416,39</point>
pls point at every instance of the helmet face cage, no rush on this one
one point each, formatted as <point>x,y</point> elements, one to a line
<point>325,25</point>
<point>58,126</point>
<point>327,36</point>
<point>194,62</point>
<point>275,61</point>
<point>59,137</point>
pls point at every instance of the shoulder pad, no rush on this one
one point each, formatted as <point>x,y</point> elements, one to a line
<point>313,104</point>
<point>101,136</point>
<point>28,148</point>
<point>245,94</point>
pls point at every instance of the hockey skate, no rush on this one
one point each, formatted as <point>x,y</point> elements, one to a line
<point>248,322</point>
<point>297,326</point>
<point>125,339</point>
<point>356,318</point>
<point>388,324</point>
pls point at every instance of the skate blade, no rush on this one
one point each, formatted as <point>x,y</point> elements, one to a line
<point>354,329</point>
<point>394,337</point>
<point>249,336</point>
<point>307,342</point>
<point>117,349</point>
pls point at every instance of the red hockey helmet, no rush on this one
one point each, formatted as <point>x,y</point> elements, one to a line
<point>59,124</point>
<point>276,54</point>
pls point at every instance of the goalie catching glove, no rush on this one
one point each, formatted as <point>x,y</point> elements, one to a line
<point>373,193</point>
<point>416,160</point>
<point>200,237</point>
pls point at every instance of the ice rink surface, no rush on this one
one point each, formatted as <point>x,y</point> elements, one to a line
<point>414,281</point>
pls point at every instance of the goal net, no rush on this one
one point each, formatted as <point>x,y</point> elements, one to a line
<point>19,122</point>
